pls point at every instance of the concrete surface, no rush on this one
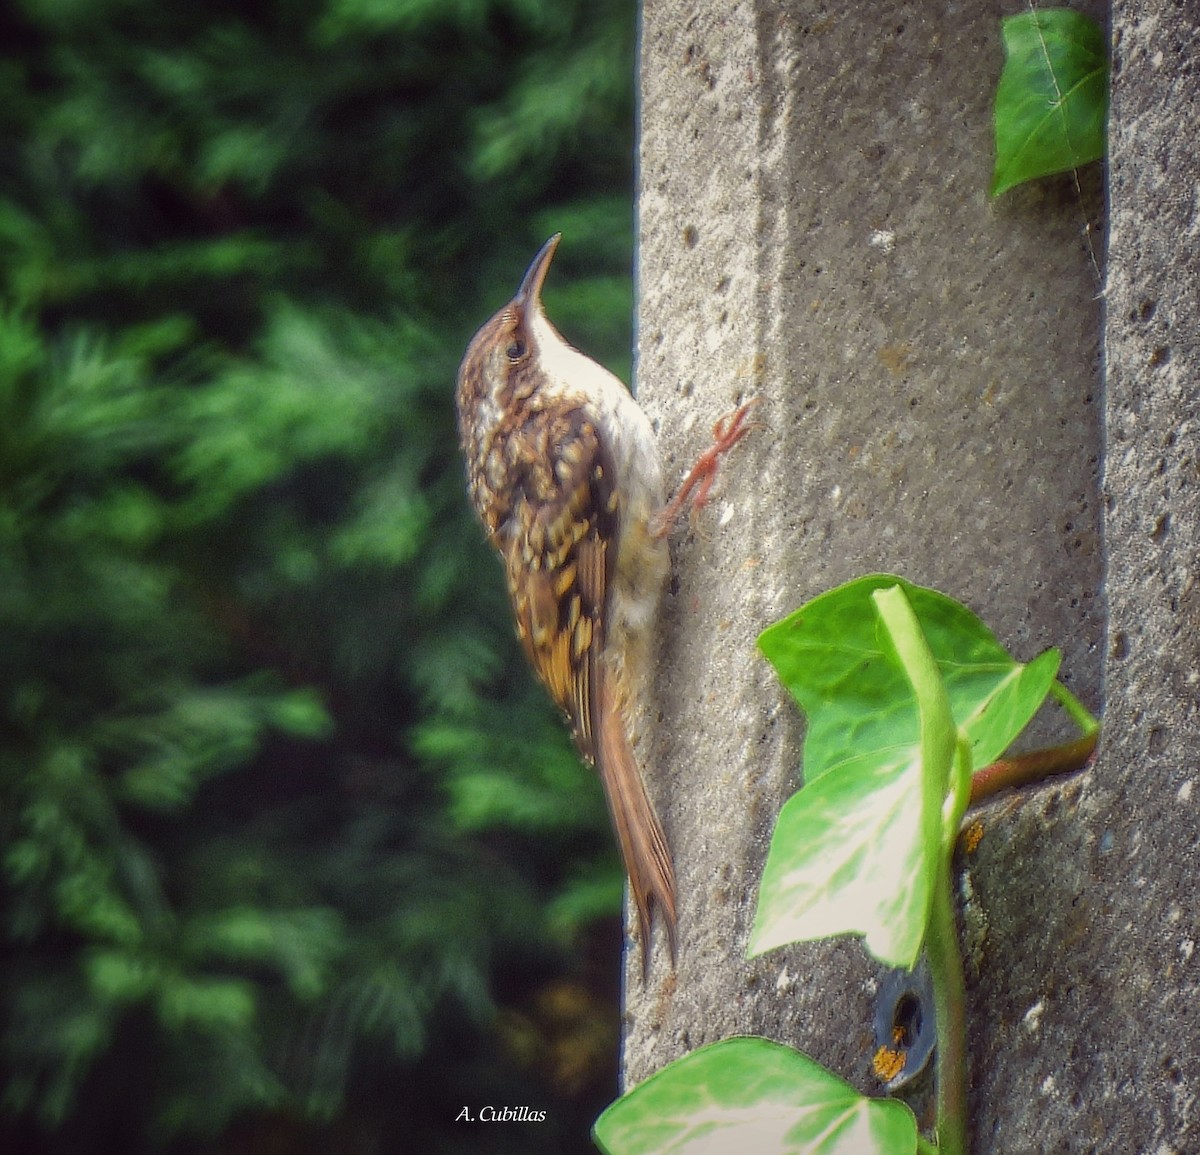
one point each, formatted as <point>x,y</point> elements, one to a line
<point>1092,895</point>
<point>814,228</point>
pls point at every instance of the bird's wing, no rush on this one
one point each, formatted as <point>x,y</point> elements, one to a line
<point>559,554</point>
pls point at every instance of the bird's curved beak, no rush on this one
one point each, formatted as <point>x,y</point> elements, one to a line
<point>530,292</point>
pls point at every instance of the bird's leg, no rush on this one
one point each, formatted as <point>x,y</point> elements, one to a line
<point>697,485</point>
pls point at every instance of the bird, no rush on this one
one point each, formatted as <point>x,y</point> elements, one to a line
<point>564,474</point>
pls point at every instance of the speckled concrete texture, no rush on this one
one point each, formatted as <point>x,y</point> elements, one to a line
<point>815,230</point>
<point>1086,1007</point>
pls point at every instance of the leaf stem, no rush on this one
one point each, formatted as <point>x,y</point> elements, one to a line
<point>950,1015</point>
<point>1037,765</point>
<point>1087,722</point>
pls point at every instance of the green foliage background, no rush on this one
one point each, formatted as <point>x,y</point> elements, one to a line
<point>294,855</point>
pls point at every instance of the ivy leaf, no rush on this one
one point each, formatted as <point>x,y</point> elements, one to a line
<point>752,1095</point>
<point>1052,99</point>
<point>849,856</point>
<point>830,656</point>
<point>855,851</point>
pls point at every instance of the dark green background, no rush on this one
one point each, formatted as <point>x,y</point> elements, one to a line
<point>295,857</point>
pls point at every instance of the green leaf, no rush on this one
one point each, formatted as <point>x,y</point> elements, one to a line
<point>854,852</point>
<point>1052,99</point>
<point>593,891</point>
<point>117,975</point>
<point>303,945</point>
<point>205,1004</point>
<point>829,655</point>
<point>857,850</point>
<point>301,713</point>
<point>752,1095</point>
<point>847,857</point>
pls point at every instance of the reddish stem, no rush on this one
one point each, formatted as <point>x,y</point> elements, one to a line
<point>1026,769</point>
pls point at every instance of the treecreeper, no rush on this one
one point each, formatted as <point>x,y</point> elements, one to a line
<point>564,473</point>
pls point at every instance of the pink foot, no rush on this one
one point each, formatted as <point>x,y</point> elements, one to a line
<point>727,432</point>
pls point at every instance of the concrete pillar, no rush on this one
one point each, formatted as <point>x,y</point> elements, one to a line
<point>815,229</point>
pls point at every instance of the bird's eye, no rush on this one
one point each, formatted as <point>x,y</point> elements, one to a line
<point>516,349</point>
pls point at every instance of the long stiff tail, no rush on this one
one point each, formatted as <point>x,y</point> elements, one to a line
<point>643,843</point>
